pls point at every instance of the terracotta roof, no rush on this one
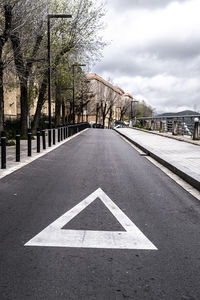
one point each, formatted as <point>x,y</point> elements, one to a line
<point>128,95</point>
<point>122,91</point>
<point>99,78</point>
<point>117,89</point>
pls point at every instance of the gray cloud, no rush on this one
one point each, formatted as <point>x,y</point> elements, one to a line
<point>144,4</point>
<point>157,57</point>
<point>172,49</point>
<point>125,65</point>
<point>149,63</point>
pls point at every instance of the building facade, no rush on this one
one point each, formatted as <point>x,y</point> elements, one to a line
<point>104,103</point>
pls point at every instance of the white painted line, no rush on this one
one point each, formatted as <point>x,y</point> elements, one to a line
<point>54,236</point>
<point>186,186</point>
<point>28,160</point>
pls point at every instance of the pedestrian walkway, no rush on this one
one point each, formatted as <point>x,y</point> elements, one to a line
<point>180,157</point>
<point>183,138</point>
<point>12,165</point>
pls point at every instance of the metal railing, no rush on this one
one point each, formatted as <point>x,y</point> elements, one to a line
<point>177,125</point>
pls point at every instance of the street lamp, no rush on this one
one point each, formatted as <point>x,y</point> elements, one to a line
<point>73,67</point>
<point>49,17</point>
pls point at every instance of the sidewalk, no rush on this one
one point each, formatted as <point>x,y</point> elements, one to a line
<point>181,157</point>
<point>12,165</point>
<point>183,138</point>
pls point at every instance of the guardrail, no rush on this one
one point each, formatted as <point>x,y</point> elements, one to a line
<point>177,125</point>
<point>63,132</point>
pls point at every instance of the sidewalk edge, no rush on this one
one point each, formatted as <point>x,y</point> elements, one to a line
<point>37,155</point>
<point>192,181</point>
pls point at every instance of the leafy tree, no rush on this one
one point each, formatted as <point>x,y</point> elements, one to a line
<point>76,41</point>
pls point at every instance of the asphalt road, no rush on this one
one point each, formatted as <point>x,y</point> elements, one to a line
<point>38,194</point>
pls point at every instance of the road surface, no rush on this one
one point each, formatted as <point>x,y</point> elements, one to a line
<point>119,227</point>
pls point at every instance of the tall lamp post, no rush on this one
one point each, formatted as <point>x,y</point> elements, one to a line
<point>49,17</point>
<point>73,104</point>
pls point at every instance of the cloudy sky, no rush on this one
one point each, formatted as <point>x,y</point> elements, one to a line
<point>154,52</point>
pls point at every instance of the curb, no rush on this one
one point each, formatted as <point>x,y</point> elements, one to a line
<point>192,181</point>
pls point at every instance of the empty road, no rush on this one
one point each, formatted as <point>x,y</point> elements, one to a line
<point>96,220</point>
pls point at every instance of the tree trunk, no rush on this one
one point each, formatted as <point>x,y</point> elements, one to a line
<point>1,98</point>
<point>97,113</point>
<point>58,106</point>
<point>79,114</point>
<point>3,39</point>
<point>63,113</point>
<point>110,119</point>
<point>24,107</point>
<point>104,113</point>
<point>40,103</point>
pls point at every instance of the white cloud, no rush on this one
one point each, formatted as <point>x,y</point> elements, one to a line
<point>155,53</point>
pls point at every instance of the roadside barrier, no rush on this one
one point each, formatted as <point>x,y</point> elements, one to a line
<point>17,146</point>
<point>43,139</point>
<point>3,150</point>
<point>58,135</point>
<point>29,142</point>
<point>49,137</point>
<point>63,132</point>
<point>54,136</point>
<point>38,140</point>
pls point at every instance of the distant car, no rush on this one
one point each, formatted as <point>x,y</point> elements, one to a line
<point>117,122</point>
<point>92,124</point>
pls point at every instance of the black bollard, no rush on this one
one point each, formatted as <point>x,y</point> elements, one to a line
<point>43,139</point>
<point>29,142</point>
<point>3,150</point>
<point>38,140</point>
<point>61,130</point>
<point>54,136</point>
<point>17,146</point>
<point>64,131</point>
<point>58,134</point>
<point>49,137</point>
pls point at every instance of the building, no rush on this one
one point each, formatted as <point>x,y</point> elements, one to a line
<point>105,101</point>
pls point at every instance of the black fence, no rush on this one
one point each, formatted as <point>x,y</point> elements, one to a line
<point>177,125</point>
<point>55,135</point>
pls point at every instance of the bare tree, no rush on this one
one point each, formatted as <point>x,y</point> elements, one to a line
<point>124,105</point>
<point>108,98</point>
<point>5,28</point>
<point>26,37</point>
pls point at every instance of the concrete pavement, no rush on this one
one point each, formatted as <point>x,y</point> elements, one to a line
<point>180,157</point>
<point>182,138</point>
<point>60,186</point>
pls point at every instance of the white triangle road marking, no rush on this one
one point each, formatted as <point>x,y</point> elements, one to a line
<point>54,236</point>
